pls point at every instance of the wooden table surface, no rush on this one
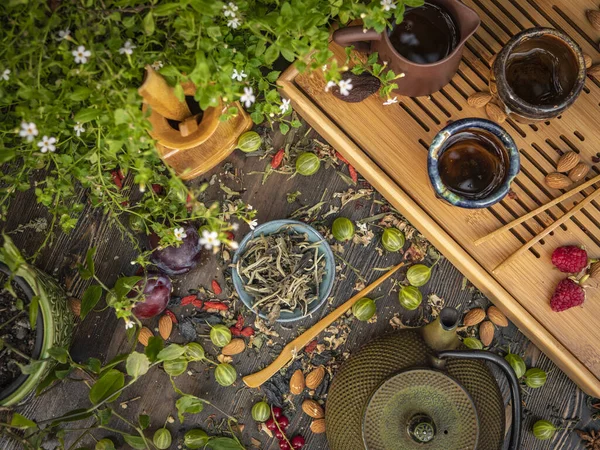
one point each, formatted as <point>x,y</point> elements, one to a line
<point>102,336</point>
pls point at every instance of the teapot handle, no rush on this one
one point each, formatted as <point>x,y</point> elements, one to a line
<point>356,36</point>
<point>513,382</point>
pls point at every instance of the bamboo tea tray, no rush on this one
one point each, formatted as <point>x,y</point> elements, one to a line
<point>388,146</point>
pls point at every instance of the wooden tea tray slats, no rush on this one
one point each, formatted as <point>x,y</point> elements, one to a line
<point>388,145</point>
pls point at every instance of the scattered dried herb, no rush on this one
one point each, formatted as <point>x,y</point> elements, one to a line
<point>591,439</point>
<point>282,272</point>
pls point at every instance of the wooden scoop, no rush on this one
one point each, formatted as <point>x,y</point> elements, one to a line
<point>291,349</point>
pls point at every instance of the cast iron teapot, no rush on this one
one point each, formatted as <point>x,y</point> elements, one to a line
<point>415,390</point>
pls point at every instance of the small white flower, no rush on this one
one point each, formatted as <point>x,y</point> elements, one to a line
<point>362,226</point>
<point>209,239</point>
<point>127,48</point>
<point>390,101</point>
<point>248,98</point>
<point>249,207</point>
<point>81,55</point>
<point>329,85</point>
<point>47,144</point>
<point>363,15</point>
<point>238,75</point>
<point>157,65</point>
<point>253,224</point>
<point>78,129</point>
<point>234,245</point>
<point>179,233</point>
<point>64,34</point>
<point>401,75</point>
<point>232,6</point>
<point>129,324</point>
<point>345,86</point>
<point>235,226</point>
<point>234,22</point>
<point>28,130</point>
<point>6,74</point>
<point>285,105</point>
<point>324,68</point>
<point>387,4</point>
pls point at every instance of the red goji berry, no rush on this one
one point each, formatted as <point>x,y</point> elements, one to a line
<point>216,287</point>
<point>117,179</point>
<point>188,202</point>
<point>353,174</point>
<point>235,331</point>
<point>277,158</point>
<point>339,156</point>
<point>247,332</point>
<point>198,303</point>
<point>188,299</point>
<point>240,322</point>
<point>230,235</point>
<point>157,188</point>
<point>171,315</point>
<point>216,305</point>
<point>310,347</point>
<point>125,203</point>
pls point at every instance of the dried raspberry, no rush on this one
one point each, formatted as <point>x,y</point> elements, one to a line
<point>570,259</point>
<point>567,294</point>
<point>216,287</point>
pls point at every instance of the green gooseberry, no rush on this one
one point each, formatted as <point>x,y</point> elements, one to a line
<point>308,164</point>
<point>162,439</point>
<point>194,351</point>
<point>105,444</point>
<point>517,363</point>
<point>544,430</point>
<point>195,438</point>
<point>342,229</point>
<point>473,343</point>
<point>418,275</point>
<point>175,367</point>
<point>249,142</point>
<point>410,297</point>
<point>225,374</point>
<point>220,335</point>
<point>364,309</point>
<point>261,411</point>
<point>393,239</point>
<point>535,378</point>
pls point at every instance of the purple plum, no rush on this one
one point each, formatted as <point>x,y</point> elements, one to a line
<point>157,291</point>
<point>177,260</point>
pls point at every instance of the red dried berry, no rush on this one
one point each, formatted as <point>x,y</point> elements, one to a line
<point>277,159</point>
<point>198,303</point>
<point>277,412</point>
<point>235,331</point>
<point>188,202</point>
<point>216,305</point>
<point>570,259</point>
<point>353,174</point>
<point>188,299</point>
<point>271,425</point>
<point>297,442</point>
<point>310,347</point>
<point>239,324</point>
<point>283,445</point>
<point>339,156</point>
<point>216,287</point>
<point>171,315</point>
<point>117,179</point>
<point>567,295</point>
<point>230,235</point>
<point>248,331</point>
<point>157,188</point>
<point>283,422</point>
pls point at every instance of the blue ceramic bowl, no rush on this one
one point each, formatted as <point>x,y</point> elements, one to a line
<point>274,227</point>
<point>438,146</point>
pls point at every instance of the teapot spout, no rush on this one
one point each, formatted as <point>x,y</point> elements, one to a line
<point>440,334</point>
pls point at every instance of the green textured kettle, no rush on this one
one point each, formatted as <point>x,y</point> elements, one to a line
<point>414,390</point>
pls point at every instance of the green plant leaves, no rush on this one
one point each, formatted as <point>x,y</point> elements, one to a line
<point>124,285</point>
<point>144,421</point>
<point>188,404</point>
<point>106,386</point>
<point>105,444</point>
<point>90,299</point>
<point>170,352</point>
<point>80,93</point>
<point>154,347</point>
<point>21,422</point>
<point>86,115</point>
<point>88,270</point>
<point>135,441</point>
<point>137,364</point>
<point>60,354</point>
<point>223,443</point>
<point>148,24</point>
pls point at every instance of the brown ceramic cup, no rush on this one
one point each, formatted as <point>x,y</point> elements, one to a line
<point>419,79</point>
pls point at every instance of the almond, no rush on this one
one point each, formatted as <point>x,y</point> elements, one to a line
<point>486,332</point>
<point>495,113</point>
<point>567,162</point>
<point>594,18</point>
<point>144,335</point>
<point>235,347</point>
<point>497,317</point>
<point>594,71</point>
<point>318,426</point>
<point>473,317</point>
<point>313,409</point>
<point>165,326</point>
<point>588,61</point>
<point>314,378</point>
<point>479,99</point>
<point>297,382</point>
<point>557,180</point>
<point>493,88</point>
<point>75,306</point>
<point>579,172</point>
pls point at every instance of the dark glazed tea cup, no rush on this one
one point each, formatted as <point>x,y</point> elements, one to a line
<point>472,163</point>
<point>538,74</point>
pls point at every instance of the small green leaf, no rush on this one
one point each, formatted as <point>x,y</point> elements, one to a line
<point>104,416</point>
<point>148,24</point>
<point>179,92</point>
<point>155,345</point>
<point>115,361</point>
<point>121,115</point>
<point>271,54</point>
<point>135,441</point>
<point>86,115</point>
<point>223,443</point>
<point>31,368</point>
<point>90,299</point>
<point>144,421</point>
<point>124,285</point>
<point>171,352</point>
<point>22,422</point>
<point>6,155</point>
<point>106,386</point>
<point>59,354</point>
<point>80,93</point>
<point>137,364</point>
<point>34,308</point>
<point>94,365</point>
<point>188,404</point>
<point>72,416</point>
<point>105,444</point>
<point>284,128</point>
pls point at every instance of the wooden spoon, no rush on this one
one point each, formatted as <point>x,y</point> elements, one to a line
<point>292,349</point>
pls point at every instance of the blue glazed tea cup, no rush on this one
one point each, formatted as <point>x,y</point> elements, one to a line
<point>274,227</point>
<point>441,143</point>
